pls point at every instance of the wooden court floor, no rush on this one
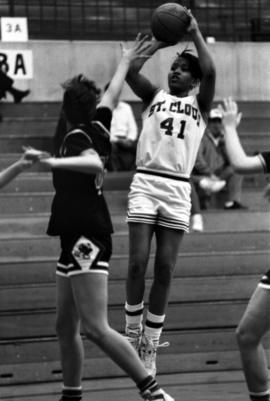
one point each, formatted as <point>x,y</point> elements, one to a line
<point>209,386</point>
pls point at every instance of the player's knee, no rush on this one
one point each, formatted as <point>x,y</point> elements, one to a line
<point>137,269</point>
<point>246,338</point>
<point>164,273</point>
<point>66,329</point>
<point>95,331</point>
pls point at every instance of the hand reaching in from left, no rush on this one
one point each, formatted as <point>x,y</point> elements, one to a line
<point>32,156</point>
<point>143,48</point>
<point>138,50</point>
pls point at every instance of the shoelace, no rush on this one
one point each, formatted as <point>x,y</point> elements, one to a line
<point>163,345</point>
<point>155,347</point>
<point>133,332</point>
<point>134,337</point>
<point>149,355</point>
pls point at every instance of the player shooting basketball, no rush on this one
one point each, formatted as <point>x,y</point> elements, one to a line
<point>159,198</point>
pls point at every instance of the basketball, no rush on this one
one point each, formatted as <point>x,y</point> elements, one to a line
<point>169,22</point>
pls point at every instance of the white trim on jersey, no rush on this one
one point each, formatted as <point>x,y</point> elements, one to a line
<point>74,131</point>
<point>263,163</point>
<point>99,123</point>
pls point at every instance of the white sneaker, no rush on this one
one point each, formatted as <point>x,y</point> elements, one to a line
<point>211,185</point>
<point>134,337</point>
<point>148,354</point>
<point>197,223</point>
<point>166,397</point>
<point>160,397</point>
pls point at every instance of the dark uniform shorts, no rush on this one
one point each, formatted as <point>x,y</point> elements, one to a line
<point>84,254</point>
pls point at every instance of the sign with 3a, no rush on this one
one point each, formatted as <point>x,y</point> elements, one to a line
<point>14,29</point>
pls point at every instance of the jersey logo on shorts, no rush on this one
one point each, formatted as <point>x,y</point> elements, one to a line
<point>85,252</point>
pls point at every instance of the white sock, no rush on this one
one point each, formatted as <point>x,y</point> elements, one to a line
<point>134,316</point>
<point>153,327</point>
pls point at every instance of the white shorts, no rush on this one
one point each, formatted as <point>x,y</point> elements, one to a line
<point>159,200</point>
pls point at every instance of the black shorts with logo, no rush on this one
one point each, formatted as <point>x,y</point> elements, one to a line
<point>82,254</point>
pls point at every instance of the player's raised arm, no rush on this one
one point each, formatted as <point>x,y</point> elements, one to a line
<point>208,81</point>
<point>141,85</point>
<point>138,51</point>
<point>241,162</point>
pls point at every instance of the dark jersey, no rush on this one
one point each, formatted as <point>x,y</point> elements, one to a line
<point>79,206</point>
<point>265,157</point>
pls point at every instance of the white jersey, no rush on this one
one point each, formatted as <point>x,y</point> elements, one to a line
<point>172,131</point>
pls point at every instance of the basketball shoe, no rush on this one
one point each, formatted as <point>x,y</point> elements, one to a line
<point>148,396</point>
<point>148,354</point>
<point>134,337</point>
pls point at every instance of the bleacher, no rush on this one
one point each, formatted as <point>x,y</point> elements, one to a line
<point>37,122</point>
<point>215,276</point>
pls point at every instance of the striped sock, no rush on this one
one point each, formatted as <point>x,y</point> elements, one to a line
<point>263,396</point>
<point>149,386</point>
<point>71,394</point>
<point>134,316</point>
<point>153,327</point>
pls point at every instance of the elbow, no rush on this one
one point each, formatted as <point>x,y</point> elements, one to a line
<point>210,71</point>
<point>91,164</point>
<point>98,167</point>
<point>236,164</point>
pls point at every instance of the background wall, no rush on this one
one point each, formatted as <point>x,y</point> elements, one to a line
<point>243,68</point>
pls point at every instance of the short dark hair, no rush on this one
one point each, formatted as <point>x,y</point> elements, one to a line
<point>193,61</point>
<point>78,107</point>
<point>80,98</point>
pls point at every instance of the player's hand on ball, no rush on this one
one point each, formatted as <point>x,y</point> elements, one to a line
<point>193,25</point>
